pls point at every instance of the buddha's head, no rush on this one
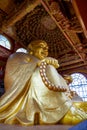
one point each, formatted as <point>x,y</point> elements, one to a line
<point>38,48</point>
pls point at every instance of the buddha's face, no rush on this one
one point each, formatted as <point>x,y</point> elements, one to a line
<point>41,51</point>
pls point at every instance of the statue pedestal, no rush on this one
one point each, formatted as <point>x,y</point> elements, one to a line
<point>48,127</point>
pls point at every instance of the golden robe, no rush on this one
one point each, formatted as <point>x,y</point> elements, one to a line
<point>26,95</point>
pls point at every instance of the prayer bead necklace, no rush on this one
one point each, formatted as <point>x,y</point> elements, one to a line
<point>46,81</point>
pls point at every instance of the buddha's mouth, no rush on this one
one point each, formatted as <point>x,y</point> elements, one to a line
<point>45,54</point>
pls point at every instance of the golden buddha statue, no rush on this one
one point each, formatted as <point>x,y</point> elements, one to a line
<point>35,91</point>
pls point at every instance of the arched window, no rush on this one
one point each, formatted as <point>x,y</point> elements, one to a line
<point>21,50</point>
<point>5,42</point>
<point>79,85</point>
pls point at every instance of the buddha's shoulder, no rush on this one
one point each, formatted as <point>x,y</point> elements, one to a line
<point>18,55</point>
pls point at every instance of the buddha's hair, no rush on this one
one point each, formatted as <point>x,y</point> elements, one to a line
<point>34,44</point>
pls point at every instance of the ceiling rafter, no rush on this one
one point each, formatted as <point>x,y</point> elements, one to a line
<point>46,6</point>
<point>19,13</point>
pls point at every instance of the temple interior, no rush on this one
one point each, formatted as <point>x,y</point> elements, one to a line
<point>61,23</point>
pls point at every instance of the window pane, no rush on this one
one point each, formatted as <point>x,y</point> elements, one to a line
<point>5,42</point>
<point>79,85</point>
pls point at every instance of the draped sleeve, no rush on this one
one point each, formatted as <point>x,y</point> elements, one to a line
<point>19,69</point>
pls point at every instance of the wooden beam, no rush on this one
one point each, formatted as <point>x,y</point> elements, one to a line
<point>72,66</point>
<point>46,6</point>
<point>71,62</point>
<point>23,9</point>
<point>80,7</point>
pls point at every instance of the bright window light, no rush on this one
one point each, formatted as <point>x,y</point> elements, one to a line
<point>21,50</point>
<point>5,42</point>
<point>79,85</point>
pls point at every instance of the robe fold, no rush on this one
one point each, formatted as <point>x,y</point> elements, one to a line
<point>27,95</point>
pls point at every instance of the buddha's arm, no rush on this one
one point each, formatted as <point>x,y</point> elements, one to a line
<point>49,84</point>
<point>50,61</point>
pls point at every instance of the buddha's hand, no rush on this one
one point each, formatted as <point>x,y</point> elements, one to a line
<point>50,61</point>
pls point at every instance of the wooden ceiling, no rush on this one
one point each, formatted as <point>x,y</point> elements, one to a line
<point>61,23</point>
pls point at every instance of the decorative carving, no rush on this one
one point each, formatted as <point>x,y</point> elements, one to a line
<point>48,23</point>
<point>19,12</point>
